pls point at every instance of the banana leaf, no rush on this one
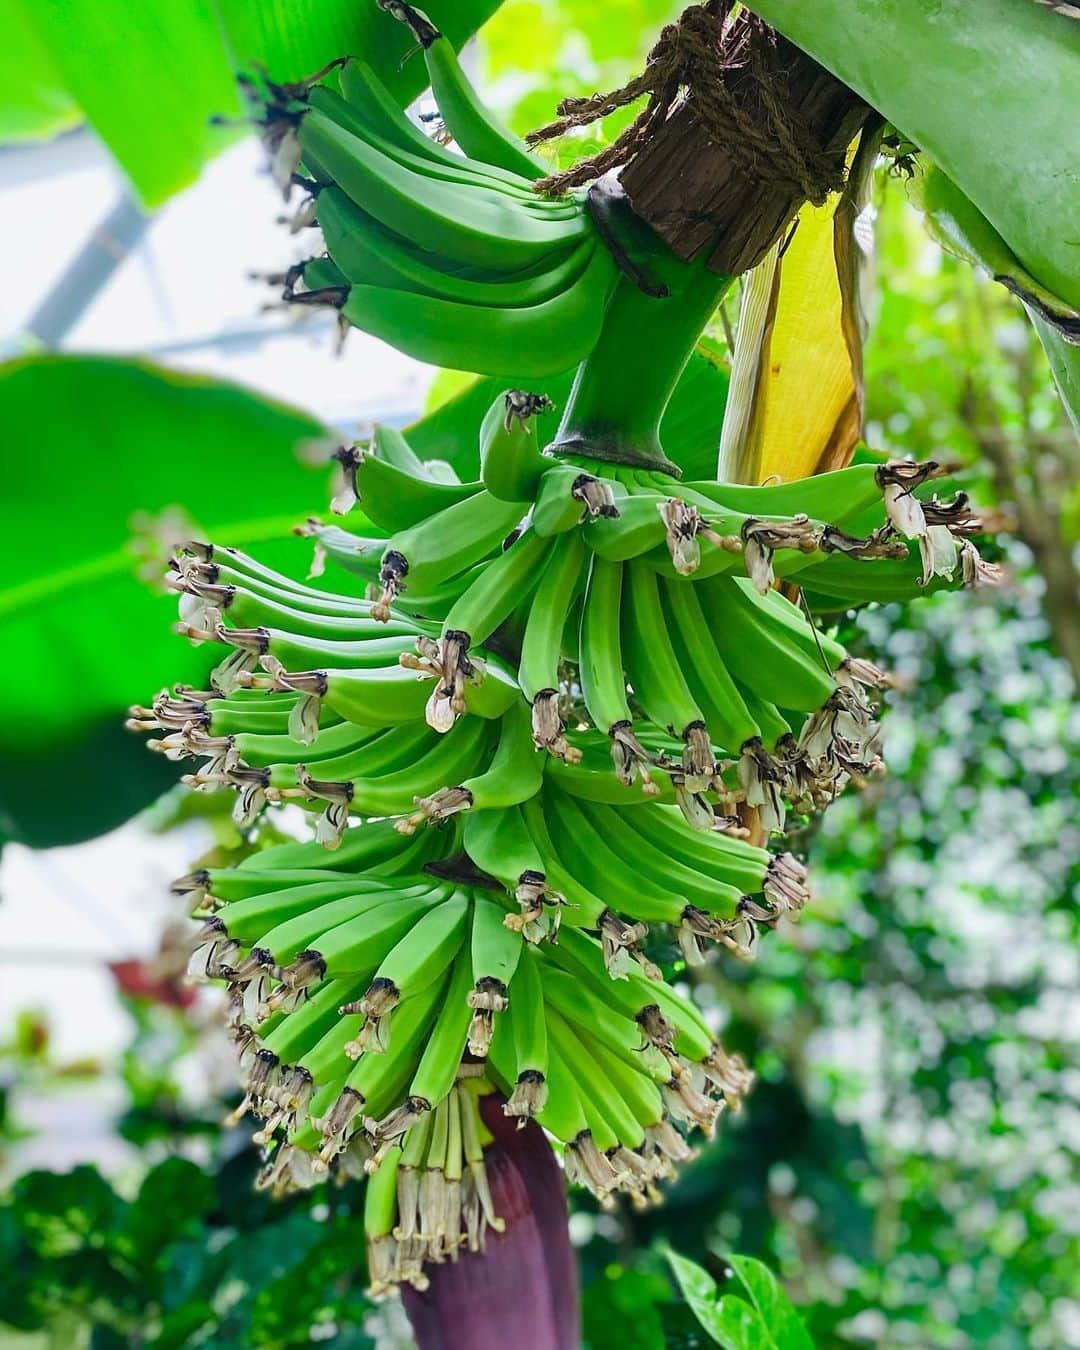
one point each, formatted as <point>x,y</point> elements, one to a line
<point>961,229</point>
<point>149,78</point>
<point>35,103</point>
<point>106,464</point>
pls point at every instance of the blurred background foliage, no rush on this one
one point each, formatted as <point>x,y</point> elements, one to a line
<point>907,1162</point>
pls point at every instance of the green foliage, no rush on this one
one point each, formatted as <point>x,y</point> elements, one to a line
<point>87,541</point>
<point>193,1258</point>
<point>756,1316</point>
<point>537,52</point>
<point>35,102</point>
<point>89,55</point>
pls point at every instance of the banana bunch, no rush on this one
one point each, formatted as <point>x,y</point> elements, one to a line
<point>365,739</point>
<point>374,995</point>
<point>451,257</point>
<point>471,913</point>
<point>550,706</point>
<point>717,691</point>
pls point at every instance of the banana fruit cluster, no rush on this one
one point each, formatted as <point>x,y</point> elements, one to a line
<point>451,257</point>
<point>562,735</point>
<point>549,707</point>
<point>374,991</point>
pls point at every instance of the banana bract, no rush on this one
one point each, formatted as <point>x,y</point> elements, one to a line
<point>540,712</point>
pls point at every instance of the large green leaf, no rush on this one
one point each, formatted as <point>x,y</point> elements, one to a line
<point>292,38</point>
<point>961,229</point>
<point>149,78</point>
<point>97,452</point>
<point>991,91</point>
<point>35,103</point>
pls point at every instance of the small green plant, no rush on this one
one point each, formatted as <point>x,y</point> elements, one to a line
<point>749,1312</point>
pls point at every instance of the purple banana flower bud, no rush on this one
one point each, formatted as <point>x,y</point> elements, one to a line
<point>523,1288</point>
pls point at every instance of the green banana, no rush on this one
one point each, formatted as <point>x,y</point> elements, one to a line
<point>583,908</point>
<point>834,497</point>
<point>759,653</point>
<point>363,849</point>
<point>635,995</point>
<point>320,274</point>
<point>602,1097</point>
<point>590,776</point>
<point>473,224</point>
<point>216,555</point>
<point>360,944</point>
<point>445,545</point>
<point>511,462</point>
<point>655,675</point>
<point>529,1041</point>
<point>468,121</point>
<point>516,769</point>
<point>248,919</point>
<point>709,891</point>
<point>538,339</point>
<point>305,1027</point>
<point>262,751</point>
<point>372,101</point>
<point>439,1062</point>
<point>542,641</point>
<point>578,1003</point>
<point>496,952</point>
<point>702,663</point>
<point>397,694</point>
<point>287,939</point>
<point>567,495</point>
<point>367,253</point>
<point>450,759</point>
<point>567,1065</point>
<point>391,446</point>
<point>499,843</point>
<point>362,120</point>
<point>351,552</point>
<point>639,1093</point>
<point>395,499</point>
<point>562,1113</point>
<point>496,948</point>
<point>608,875</point>
<point>301,652</point>
<point>499,589</point>
<point>777,608</point>
<point>603,684</point>
<point>737,862</point>
<point>421,956</point>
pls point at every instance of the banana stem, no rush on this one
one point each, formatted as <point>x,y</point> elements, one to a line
<point>622,388</point>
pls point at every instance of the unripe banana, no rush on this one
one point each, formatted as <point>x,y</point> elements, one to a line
<point>511,463</point>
